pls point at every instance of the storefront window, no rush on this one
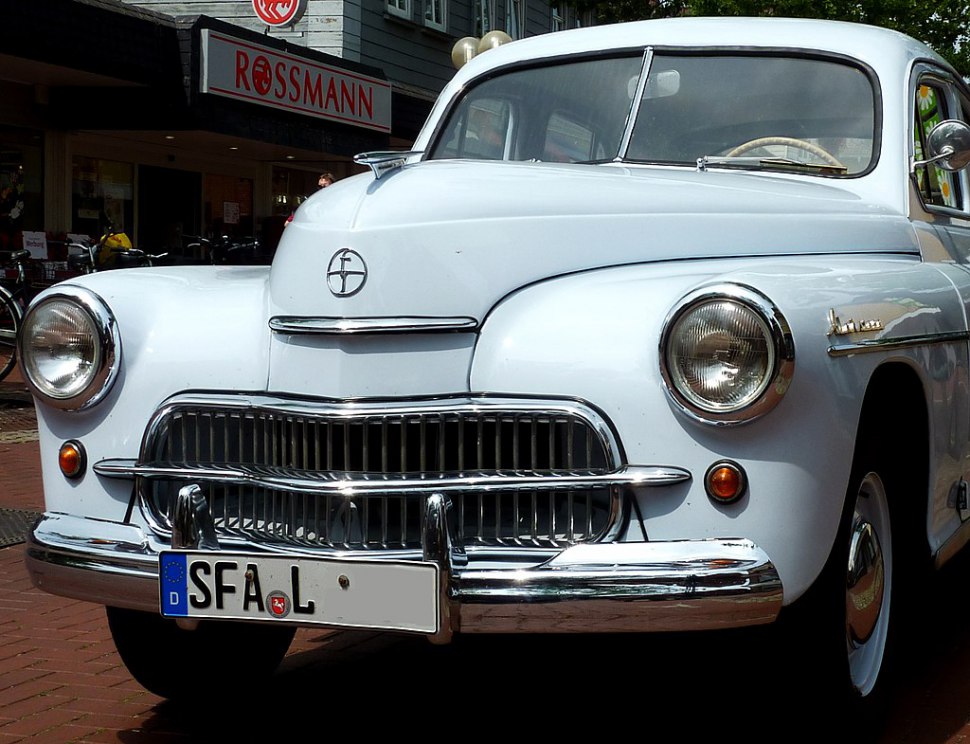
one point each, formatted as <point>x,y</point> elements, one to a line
<point>228,206</point>
<point>102,196</point>
<point>21,185</point>
<point>291,187</point>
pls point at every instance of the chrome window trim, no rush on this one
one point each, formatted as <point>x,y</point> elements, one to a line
<point>634,112</point>
<point>109,339</point>
<point>325,325</point>
<point>781,337</point>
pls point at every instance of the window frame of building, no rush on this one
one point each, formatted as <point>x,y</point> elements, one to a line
<point>484,17</point>
<point>515,18</point>
<point>436,14</point>
<point>558,19</point>
<point>399,8</point>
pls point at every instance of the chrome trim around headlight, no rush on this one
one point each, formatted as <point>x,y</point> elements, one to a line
<point>779,376</point>
<point>109,341</point>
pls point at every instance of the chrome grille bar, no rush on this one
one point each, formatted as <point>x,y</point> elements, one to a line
<point>354,476</point>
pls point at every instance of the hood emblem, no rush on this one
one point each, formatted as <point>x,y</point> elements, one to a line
<point>346,273</point>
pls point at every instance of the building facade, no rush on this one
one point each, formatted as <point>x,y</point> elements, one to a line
<point>169,120</point>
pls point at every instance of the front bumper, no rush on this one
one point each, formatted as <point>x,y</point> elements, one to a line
<point>603,587</point>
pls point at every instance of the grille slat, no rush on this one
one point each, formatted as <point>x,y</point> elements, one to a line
<point>388,445</point>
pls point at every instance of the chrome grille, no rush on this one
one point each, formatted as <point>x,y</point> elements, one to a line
<point>489,444</point>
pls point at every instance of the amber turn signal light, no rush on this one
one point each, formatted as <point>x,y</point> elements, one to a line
<point>71,459</point>
<point>725,482</point>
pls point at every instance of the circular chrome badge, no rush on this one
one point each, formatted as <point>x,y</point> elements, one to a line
<point>346,273</point>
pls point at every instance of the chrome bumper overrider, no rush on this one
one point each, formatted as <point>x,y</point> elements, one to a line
<point>608,587</point>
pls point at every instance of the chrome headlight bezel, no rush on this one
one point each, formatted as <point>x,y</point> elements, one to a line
<point>778,372</point>
<point>103,330</point>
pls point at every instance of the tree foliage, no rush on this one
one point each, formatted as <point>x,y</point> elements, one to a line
<point>943,24</point>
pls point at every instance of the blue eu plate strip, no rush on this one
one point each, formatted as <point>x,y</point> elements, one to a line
<point>173,584</point>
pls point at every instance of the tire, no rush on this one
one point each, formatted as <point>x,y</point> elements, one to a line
<point>10,318</point>
<point>845,626</point>
<point>216,659</point>
<point>868,587</point>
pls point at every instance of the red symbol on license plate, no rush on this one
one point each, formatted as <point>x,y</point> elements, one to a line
<point>278,604</point>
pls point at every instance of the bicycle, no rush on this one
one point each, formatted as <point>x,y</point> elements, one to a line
<point>13,301</point>
<point>88,258</point>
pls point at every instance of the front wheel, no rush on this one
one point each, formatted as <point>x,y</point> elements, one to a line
<point>217,658</point>
<point>10,318</point>
<point>844,627</point>
<point>868,585</point>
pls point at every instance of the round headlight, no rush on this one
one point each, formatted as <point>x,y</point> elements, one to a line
<point>726,354</point>
<point>68,348</point>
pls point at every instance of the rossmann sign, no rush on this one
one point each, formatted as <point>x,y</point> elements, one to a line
<point>250,72</point>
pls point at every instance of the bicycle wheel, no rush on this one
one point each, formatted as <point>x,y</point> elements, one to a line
<point>10,317</point>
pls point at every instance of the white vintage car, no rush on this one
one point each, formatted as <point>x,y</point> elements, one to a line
<point>661,326</point>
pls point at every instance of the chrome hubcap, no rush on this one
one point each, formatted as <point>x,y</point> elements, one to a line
<point>865,582</point>
<point>868,584</point>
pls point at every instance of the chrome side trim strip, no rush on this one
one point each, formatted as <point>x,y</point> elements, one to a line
<point>634,476</point>
<point>900,342</point>
<point>620,587</point>
<point>293,324</point>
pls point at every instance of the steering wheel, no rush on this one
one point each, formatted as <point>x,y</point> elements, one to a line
<point>802,145</point>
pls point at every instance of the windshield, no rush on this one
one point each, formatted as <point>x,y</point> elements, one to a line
<point>729,110</point>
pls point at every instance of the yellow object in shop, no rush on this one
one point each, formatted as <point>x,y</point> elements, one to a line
<point>112,242</point>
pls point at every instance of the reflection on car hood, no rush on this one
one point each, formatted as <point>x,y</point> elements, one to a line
<point>450,238</point>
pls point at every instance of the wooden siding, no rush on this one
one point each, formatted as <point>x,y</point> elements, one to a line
<point>330,26</point>
<point>406,50</point>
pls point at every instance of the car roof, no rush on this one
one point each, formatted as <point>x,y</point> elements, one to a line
<point>871,44</point>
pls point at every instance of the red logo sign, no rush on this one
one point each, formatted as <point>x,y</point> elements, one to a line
<point>279,604</point>
<point>279,12</point>
<point>270,77</point>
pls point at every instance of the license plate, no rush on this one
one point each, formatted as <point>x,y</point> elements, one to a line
<point>382,595</point>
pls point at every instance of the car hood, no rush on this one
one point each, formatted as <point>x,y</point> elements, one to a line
<point>451,238</point>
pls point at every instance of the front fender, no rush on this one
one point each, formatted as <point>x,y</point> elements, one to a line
<point>181,329</point>
<point>595,336</point>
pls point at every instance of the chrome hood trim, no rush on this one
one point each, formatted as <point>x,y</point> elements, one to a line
<point>289,324</point>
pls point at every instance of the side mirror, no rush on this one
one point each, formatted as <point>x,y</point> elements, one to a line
<point>949,145</point>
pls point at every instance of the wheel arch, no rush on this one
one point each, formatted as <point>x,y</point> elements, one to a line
<point>894,430</point>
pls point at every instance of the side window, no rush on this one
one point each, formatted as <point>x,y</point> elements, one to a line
<point>936,186</point>
<point>482,131</point>
<point>568,141</point>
